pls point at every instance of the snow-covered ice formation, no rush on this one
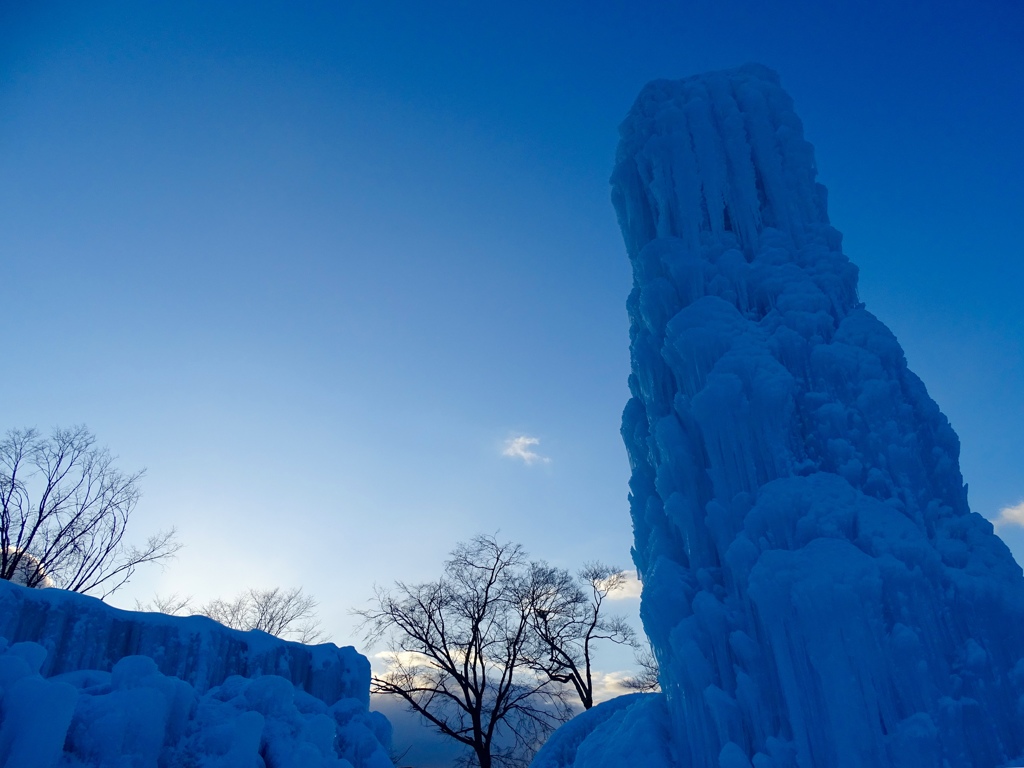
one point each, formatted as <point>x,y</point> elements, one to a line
<point>815,588</point>
<point>83,684</point>
<point>629,730</point>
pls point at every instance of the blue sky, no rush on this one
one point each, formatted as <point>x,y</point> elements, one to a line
<point>313,267</point>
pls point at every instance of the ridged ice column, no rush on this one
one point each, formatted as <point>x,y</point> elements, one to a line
<point>816,589</point>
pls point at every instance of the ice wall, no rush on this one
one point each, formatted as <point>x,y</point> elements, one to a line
<point>85,684</point>
<point>816,590</point>
<point>82,632</point>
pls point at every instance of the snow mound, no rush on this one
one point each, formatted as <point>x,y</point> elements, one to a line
<point>611,735</point>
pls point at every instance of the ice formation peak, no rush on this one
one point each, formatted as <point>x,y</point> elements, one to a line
<point>816,589</point>
<point>715,154</point>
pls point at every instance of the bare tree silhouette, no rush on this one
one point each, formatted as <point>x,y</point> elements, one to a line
<point>648,678</point>
<point>66,506</point>
<point>459,650</point>
<point>567,620</point>
<point>286,613</point>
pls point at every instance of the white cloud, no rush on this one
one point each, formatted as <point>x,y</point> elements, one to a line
<point>608,685</point>
<point>630,588</point>
<point>399,658</point>
<point>388,662</point>
<point>521,447</point>
<point>1010,516</point>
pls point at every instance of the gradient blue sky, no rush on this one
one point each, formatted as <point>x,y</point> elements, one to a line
<point>312,264</point>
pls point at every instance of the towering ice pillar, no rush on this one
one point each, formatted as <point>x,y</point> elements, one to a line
<point>816,589</point>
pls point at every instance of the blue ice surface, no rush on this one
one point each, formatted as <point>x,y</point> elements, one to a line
<point>815,588</point>
<point>615,733</point>
<point>85,685</point>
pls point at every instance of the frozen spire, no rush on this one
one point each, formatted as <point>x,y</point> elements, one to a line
<point>816,589</point>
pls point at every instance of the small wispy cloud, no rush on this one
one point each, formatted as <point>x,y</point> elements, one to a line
<point>1010,516</point>
<point>521,447</point>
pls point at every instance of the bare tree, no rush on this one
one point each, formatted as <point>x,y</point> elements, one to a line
<point>172,605</point>
<point>289,614</point>
<point>567,620</point>
<point>459,654</point>
<point>648,678</point>
<point>64,504</point>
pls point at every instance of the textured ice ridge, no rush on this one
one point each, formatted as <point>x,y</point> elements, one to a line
<point>816,589</point>
<point>84,684</point>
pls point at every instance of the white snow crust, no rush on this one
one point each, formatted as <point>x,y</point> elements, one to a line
<point>83,684</point>
<point>815,588</point>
